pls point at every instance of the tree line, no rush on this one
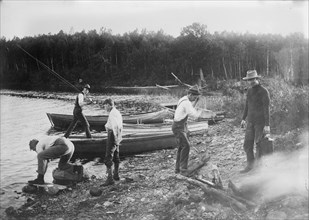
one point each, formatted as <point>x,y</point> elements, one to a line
<point>147,58</point>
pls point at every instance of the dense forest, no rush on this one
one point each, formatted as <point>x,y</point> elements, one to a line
<point>147,58</point>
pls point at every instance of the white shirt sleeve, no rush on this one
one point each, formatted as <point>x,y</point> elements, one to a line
<point>80,99</point>
<point>45,143</point>
<point>184,109</point>
<point>114,123</point>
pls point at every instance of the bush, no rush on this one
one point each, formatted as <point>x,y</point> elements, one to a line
<point>288,107</point>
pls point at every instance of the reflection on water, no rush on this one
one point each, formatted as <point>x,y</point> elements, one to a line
<point>21,120</point>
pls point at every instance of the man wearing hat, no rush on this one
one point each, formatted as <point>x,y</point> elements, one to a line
<point>257,114</point>
<point>51,147</point>
<point>78,113</point>
<point>185,108</point>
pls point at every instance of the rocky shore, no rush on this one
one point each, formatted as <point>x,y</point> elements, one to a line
<point>150,190</point>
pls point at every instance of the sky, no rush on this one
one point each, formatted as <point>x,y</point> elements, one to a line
<point>32,18</point>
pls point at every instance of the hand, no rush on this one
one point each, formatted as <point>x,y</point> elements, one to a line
<point>195,101</point>
<point>266,130</point>
<point>243,123</point>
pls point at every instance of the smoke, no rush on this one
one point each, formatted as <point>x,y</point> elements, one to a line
<point>280,174</point>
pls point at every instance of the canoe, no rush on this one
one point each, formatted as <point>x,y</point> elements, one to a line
<point>210,116</point>
<point>130,129</point>
<point>97,122</point>
<point>132,143</point>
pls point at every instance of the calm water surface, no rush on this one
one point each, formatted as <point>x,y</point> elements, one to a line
<point>21,120</point>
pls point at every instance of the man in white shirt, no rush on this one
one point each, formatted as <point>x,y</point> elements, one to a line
<point>48,148</point>
<point>185,108</point>
<point>78,113</point>
<point>114,129</point>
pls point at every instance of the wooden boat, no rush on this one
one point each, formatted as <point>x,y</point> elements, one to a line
<point>210,116</point>
<point>132,129</point>
<point>97,122</point>
<point>132,143</point>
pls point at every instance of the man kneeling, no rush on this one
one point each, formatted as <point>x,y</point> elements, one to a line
<point>48,148</point>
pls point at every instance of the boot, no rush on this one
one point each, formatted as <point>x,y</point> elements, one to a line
<point>109,180</point>
<point>116,172</point>
<point>184,172</point>
<point>247,168</point>
<point>38,180</point>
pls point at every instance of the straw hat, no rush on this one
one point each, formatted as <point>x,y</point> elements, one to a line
<point>194,90</point>
<point>251,74</point>
<point>87,86</point>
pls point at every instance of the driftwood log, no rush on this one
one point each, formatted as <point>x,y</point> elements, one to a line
<point>220,195</point>
<point>210,188</point>
<point>194,167</point>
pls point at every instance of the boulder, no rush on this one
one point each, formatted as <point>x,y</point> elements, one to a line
<point>95,191</point>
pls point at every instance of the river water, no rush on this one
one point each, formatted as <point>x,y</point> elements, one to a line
<point>23,119</point>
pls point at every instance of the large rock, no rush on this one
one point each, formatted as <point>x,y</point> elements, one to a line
<point>29,189</point>
<point>53,190</point>
<point>276,215</point>
<point>95,191</point>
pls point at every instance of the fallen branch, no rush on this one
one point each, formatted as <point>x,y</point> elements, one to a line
<point>143,155</point>
<point>220,195</point>
<point>248,203</point>
<point>134,169</point>
<point>209,183</point>
<point>162,87</point>
<point>238,195</point>
<point>196,166</point>
<point>177,79</point>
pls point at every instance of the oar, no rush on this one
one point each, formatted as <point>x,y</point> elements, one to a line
<point>50,70</point>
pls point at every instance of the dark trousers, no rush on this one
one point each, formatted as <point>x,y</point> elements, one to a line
<point>180,131</point>
<point>78,116</point>
<point>62,148</point>
<point>112,150</point>
<point>254,134</point>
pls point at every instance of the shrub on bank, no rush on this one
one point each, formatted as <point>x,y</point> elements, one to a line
<point>288,109</point>
<point>289,105</point>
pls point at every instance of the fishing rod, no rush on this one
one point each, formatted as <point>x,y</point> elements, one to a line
<point>50,70</point>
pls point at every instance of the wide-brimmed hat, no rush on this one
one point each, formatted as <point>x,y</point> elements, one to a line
<point>87,86</point>
<point>194,90</point>
<point>251,74</point>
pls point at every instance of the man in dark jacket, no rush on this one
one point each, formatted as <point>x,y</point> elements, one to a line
<point>78,113</point>
<point>257,114</point>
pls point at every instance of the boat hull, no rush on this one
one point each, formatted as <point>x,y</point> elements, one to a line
<point>132,143</point>
<point>97,122</point>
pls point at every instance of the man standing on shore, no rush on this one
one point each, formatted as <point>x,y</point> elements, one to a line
<point>114,129</point>
<point>184,109</point>
<point>78,113</point>
<point>51,147</point>
<point>257,114</point>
